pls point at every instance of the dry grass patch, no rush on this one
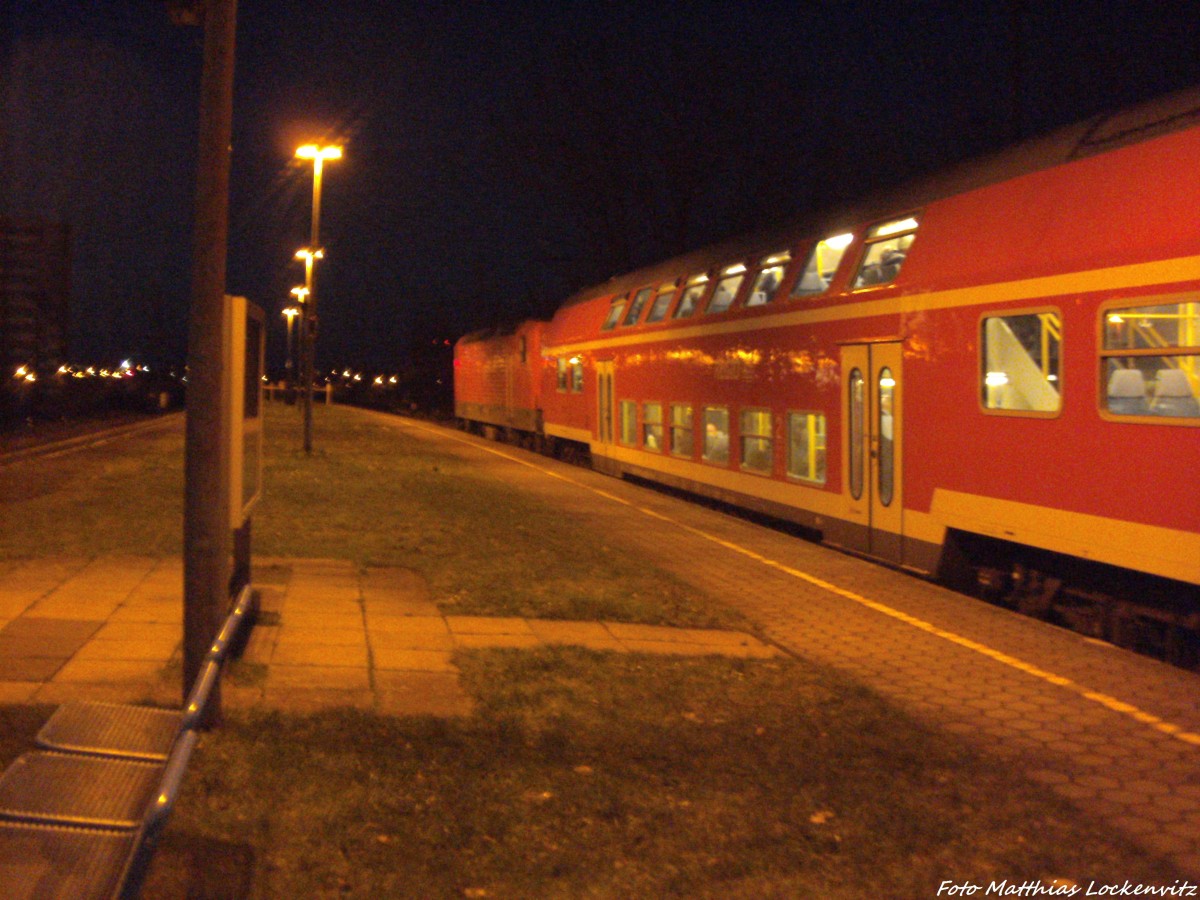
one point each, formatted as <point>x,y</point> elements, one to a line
<point>586,774</point>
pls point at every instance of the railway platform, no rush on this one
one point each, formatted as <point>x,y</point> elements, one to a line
<point>1115,733</point>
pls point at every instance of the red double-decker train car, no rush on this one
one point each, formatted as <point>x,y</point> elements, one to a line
<point>991,375</point>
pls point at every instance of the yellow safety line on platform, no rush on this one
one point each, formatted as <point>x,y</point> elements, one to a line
<point>1105,700</point>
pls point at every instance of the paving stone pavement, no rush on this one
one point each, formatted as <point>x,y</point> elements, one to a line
<point>329,635</point>
<point>1115,733</point>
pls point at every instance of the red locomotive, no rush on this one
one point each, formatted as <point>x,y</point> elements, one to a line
<point>993,372</point>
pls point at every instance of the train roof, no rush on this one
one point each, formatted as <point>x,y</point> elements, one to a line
<point>1090,137</point>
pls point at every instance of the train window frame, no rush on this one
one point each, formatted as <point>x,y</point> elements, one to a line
<point>715,446</point>
<point>636,306</point>
<point>576,365</point>
<point>694,289</point>
<point>815,456</point>
<point>627,432</point>
<point>615,310</point>
<point>895,235</point>
<point>560,366</point>
<point>766,438</point>
<point>990,382</point>
<point>736,273</point>
<point>652,421</point>
<point>1177,356</point>
<point>662,301</point>
<point>683,430</point>
<point>776,264</point>
<point>846,239</point>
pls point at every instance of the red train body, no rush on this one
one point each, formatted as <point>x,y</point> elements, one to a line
<point>1007,356</point>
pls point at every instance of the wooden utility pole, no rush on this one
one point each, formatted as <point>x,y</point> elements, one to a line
<point>207,537</point>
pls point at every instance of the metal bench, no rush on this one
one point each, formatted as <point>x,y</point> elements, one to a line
<point>81,817</point>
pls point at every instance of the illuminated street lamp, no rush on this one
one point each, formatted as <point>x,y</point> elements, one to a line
<point>318,155</point>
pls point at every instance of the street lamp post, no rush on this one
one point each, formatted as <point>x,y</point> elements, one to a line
<point>318,155</point>
<point>289,381</point>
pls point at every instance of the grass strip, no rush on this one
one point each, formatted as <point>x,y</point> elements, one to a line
<point>369,493</point>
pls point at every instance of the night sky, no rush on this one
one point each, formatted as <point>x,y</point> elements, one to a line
<point>500,156</point>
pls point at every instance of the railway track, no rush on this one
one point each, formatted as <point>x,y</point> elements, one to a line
<point>102,434</point>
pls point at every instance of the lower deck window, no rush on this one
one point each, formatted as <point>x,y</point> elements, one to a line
<point>628,422</point>
<point>652,426</point>
<point>806,446</point>
<point>716,435</point>
<point>1021,356</point>
<point>682,442</point>
<point>757,449</point>
<point>1150,362</point>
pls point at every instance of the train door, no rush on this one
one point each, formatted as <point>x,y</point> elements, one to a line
<point>871,454</point>
<point>604,394</point>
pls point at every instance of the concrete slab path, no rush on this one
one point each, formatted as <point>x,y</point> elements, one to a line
<point>329,635</point>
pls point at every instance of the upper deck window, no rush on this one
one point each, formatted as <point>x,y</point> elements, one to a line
<point>1150,361</point>
<point>727,288</point>
<point>887,247</point>
<point>614,313</point>
<point>662,302</point>
<point>822,263</point>
<point>636,307</point>
<point>690,300</point>
<point>768,279</point>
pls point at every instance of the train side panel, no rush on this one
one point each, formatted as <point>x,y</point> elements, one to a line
<point>498,378</point>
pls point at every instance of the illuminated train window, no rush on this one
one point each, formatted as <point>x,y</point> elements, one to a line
<point>1150,362</point>
<point>628,422</point>
<point>652,429</point>
<point>757,450</point>
<point>690,301</point>
<point>886,250</point>
<point>638,304</point>
<point>662,302</point>
<point>726,289</point>
<point>576,375</point>
<point>822,262</point>
<point>1021,358</point>
<point>614,313</point>
<point>561,373</point>
<point>716,435</point>
<point>806,446</point>
<point>682,433</point>
<point>767,281</point>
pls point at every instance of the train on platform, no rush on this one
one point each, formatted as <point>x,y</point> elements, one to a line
<point>989,376</point>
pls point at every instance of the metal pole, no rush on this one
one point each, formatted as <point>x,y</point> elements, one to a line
<point>310,310</point>
<point>206,531</point>
<point>288,383</point>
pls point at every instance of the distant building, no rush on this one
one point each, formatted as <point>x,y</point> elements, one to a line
<point>35,289</point>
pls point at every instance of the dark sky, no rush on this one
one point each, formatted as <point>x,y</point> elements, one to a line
<point>499,156</point>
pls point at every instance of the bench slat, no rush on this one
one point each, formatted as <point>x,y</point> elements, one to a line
<point>47,862</point>
<point>53,788</point>
<point>111,729</point>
